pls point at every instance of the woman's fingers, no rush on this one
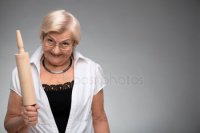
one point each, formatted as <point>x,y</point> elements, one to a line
<point>32,120</point>
<point>37,106</point>
<point>30,114</point>
<point>32,108</point>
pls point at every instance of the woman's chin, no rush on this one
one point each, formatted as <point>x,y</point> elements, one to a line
<point>55,62</point>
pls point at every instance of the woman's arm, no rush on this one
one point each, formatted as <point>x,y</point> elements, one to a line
<point>100,121</point>
<point>15,119</point>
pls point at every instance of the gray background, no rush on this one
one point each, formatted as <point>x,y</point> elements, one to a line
<point>149,50</point>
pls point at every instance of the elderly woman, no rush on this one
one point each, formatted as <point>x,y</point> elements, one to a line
<point>68,86</point>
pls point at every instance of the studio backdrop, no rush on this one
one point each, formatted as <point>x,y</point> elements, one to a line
<point>148,49</point>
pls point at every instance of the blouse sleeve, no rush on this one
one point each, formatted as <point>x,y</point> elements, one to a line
<point>99,79</point>
<point>14,85</point>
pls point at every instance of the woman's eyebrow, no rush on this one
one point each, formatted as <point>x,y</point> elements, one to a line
<point>68,39</point>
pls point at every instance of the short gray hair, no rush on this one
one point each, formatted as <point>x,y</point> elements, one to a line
<point>59,21</point>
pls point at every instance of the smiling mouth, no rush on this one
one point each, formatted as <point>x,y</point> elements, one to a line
<point>55,55</point>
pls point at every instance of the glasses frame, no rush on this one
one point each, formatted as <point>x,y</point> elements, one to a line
<point>56,43</point>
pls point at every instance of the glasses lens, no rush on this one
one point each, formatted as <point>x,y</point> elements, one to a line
<point>66,44</point>
<point>50,42</point>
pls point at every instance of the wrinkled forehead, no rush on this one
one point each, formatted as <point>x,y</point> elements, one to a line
<point>61,36</point>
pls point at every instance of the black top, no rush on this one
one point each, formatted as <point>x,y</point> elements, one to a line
<point>59,97</point>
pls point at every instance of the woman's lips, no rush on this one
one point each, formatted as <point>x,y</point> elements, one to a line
<point>56,55</point>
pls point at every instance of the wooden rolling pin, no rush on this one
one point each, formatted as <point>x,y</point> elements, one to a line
<point>24,73</point>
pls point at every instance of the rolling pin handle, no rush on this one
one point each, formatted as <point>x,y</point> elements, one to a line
<point>19,42</point>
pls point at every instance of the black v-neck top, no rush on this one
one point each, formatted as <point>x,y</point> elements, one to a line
<point>59,97</point>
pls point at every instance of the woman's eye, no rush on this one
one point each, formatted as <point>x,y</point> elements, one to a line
<point>50,41</point>
<point>65,43</point>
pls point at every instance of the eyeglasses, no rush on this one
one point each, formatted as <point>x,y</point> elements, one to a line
<point>51,43</point>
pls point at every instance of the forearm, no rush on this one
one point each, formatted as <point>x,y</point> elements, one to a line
<point>15,125</point>
<point>101,125</point>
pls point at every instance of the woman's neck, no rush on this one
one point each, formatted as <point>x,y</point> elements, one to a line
<point>59,67</point>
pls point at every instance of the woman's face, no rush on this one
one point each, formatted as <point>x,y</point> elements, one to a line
<point>58,48</point>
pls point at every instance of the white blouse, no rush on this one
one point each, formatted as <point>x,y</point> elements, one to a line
<point>88,81</point>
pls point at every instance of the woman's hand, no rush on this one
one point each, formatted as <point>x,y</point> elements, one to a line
<point>30,114</point>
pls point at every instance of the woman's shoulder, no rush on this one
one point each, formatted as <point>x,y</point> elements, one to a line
<point>85,60</point>
<point>93,64</point>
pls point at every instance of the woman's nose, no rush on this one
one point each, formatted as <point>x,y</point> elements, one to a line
<point>56,50</point>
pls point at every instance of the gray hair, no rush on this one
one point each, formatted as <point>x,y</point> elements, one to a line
<point>59,21</point>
